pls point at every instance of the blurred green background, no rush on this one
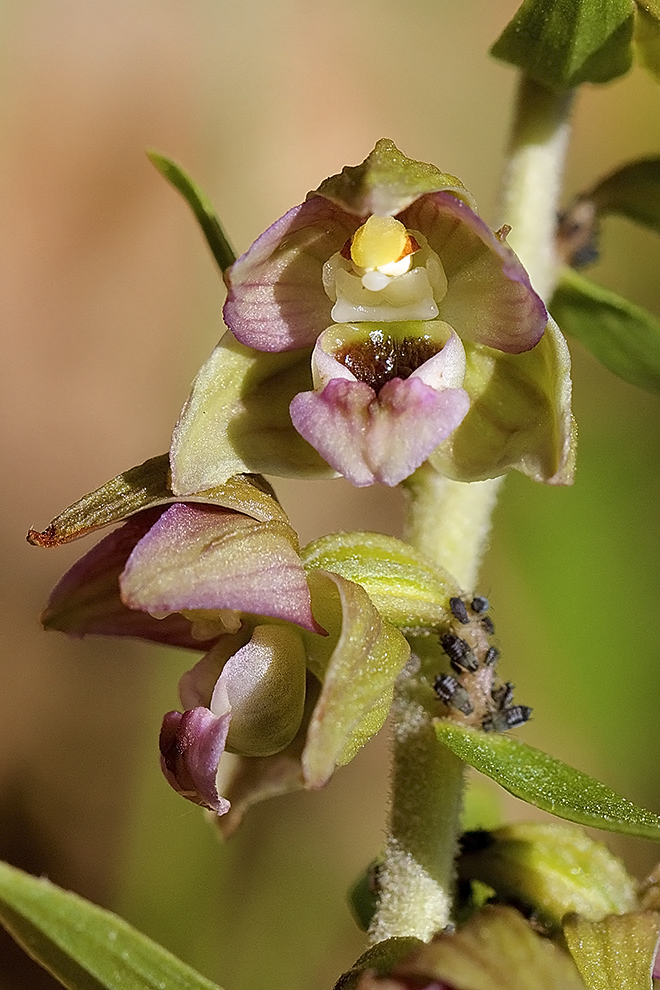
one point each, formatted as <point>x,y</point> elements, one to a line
<point>110,302</point>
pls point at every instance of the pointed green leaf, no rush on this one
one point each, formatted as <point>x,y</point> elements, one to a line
<point>616,953</point>
<point>404,586</point>
<point>624,337</point>
<point>358,664</point>
<point>237,417</point>
<point>647,36</point>
<point>387,182</point>
<point>547,783</point>
<point>83,946</point>
<point>496,950</point>
<point>552,869</point>
<point>563,43</point>
<point>147,485</point>
<point>201,206</point>
<point>633,191</point>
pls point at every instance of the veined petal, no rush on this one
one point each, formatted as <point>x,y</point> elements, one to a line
<point>489,296</point>
<point>86,600</point>
<point>198,557</point>
<point>384,437</point>
<point>276,299</point>
<point>191,744</point>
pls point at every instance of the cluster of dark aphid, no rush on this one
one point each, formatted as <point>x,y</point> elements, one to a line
<point>473,693</point>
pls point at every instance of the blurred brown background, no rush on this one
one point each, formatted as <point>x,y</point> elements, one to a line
<point>110,302</point>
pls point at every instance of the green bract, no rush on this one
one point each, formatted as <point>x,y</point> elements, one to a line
<point>552,869</point>
<point>624,337</point>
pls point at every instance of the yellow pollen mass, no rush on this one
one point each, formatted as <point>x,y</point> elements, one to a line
<point>379,241</point>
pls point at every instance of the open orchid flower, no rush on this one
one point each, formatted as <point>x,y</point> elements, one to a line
<point>383,322</point>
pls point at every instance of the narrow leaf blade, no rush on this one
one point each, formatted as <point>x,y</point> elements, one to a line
<point>548,783</point>
<point>201,206</point>
<point>632,191</point>
<point>83,946</point>
<point>624,337</point>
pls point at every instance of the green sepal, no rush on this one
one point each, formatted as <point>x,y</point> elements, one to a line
<point>616,953</point>
<point>547,783</point>
<point>145,486</point>
<point>647,36</point>
<point>519,417</point>
<point>564,43</point>
<point>496,950</point>
<point>407,589</point>
<point>622,336</point>
<point>237,417</point>
<point>632,191</point>
<point>553,870</point>
<point>201,206</point>
<point>357,663</point>
<point>387,182</point>
<point>380,959</point>
<point>83,946</point>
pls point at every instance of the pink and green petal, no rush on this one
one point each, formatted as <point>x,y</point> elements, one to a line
<point>191,744</point>
<point>86,601</point>
<point>276,300</point>
<point>372,438</point>
<point>236,420</point>
<point>519,417</point>
<point>198,557</point>
<point>489,296</point>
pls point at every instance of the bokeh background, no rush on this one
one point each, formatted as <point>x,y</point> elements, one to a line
<point>110,301</point>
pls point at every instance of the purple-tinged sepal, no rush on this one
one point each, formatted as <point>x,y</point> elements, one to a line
<point>200,557</point>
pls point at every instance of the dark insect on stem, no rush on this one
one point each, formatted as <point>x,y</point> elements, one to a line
<point>459,610</point>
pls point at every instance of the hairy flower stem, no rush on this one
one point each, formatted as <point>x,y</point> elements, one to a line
<point>450,522</point>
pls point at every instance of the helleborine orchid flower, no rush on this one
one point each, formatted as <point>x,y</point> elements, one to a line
<point>293,695</point>
<point>378,325</point>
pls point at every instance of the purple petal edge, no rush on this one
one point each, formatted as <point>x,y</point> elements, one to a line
<point>512,316</point>
<point>383,438</point>
<point>276,300</point>
<point>191,744</point>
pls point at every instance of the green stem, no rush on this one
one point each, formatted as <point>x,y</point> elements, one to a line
<point>450,521</point>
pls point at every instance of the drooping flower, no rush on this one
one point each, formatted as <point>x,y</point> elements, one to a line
<point>293,698</point>
<point>386,324</point>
